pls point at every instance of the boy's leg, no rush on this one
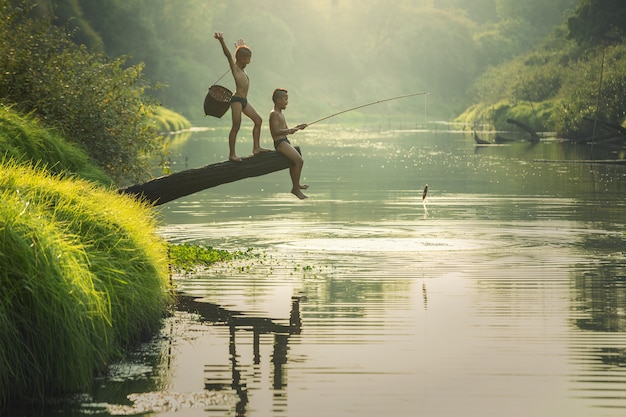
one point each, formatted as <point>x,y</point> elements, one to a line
<point>256,130</point>
<point>235,108</point>
<point>296,170</point>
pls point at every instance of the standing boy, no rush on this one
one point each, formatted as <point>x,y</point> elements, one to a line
<point>239,102</point>
<point>279,131</point>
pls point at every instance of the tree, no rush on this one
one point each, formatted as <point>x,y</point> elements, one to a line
<point>169,38</point>
<point>91,99</point>
<point>598,22</point>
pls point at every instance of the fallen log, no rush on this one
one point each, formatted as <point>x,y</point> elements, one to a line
<point>608,126</point>
<point>583,161</point>
<point>170,187</point>
<point>479,140</point>
<point>534,137</point>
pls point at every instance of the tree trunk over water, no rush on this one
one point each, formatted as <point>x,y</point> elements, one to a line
<point>170,187</point>
<point>534,137</point>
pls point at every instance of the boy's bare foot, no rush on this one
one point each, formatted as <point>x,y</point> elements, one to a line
<point>234,158</point>
<point>299,194</point>
<point>259,150</point>
<point>304,187</point>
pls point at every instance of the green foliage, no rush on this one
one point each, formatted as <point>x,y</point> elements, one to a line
<point>82,275</point>
<point>23,139</point>
<point>334,55</point>
<point>585,99</point>
<point>539,84</point>
<point>169,38</point>
<point>560,77</point>
<point>408,46</point>
<point>187,257</point>
<point>331,55</point>
<point>536,115</point>
<point>598,22</point>
<point>541,14</point>
<point>67,13</point>
<point>90,98</point>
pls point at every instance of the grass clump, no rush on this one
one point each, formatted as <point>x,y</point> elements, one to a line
<point>188,258</point>
<point>167,120</point>
<point>23,138</point>
<point>82,276</point>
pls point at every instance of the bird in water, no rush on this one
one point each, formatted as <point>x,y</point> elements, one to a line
<point>424,197</point>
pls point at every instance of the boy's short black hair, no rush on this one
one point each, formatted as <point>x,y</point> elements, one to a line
<point>277,93</point>
<point>242,49</point>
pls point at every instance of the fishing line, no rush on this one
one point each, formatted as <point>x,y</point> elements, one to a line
<point>595,117</point>
<point>368,104</point>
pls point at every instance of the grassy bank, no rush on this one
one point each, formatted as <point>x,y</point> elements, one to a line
<point>82,276</point>
<point>167,120</point>
<point>539,116</point>
<point>82,272</point>
<point>24,139</point>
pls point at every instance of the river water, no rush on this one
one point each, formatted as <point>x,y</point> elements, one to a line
<point>502,294</point>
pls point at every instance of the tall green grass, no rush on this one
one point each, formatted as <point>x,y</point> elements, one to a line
<point>167,120</point>
<point>82,275</point>
<point>23,138</point>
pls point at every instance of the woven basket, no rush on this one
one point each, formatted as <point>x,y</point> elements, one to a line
<point>217,101</point>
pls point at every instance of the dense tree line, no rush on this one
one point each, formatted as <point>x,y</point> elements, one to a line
<point>331,54</point>
<point>576,74</point>
<point>508,58</point>
<point>598,22</point>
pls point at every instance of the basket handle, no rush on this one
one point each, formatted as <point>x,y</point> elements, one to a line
<point>221,77</point>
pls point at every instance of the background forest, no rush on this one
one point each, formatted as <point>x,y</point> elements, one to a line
<point>487,58</point>
<point>329,54</point>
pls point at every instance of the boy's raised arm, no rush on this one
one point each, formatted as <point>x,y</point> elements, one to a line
<point>220,37</point>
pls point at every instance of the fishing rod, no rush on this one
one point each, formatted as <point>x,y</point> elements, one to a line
<point>368,104</point>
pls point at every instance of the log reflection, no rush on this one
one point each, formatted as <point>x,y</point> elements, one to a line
<point>229,376</point>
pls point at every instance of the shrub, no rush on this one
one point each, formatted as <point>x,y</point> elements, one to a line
<point>92,99</point>
<point>581,98</point>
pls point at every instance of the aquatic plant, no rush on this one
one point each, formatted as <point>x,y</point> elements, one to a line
<point>187,257</point>
<point>82,275</point>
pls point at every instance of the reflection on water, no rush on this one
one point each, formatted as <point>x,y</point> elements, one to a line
<point>508,298</point>
<point>219,377</point>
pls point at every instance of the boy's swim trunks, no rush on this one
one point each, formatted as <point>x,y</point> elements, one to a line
<point>242,100</point>
<point>277,142</point>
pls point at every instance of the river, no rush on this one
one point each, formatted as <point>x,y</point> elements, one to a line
<point>502,294</point>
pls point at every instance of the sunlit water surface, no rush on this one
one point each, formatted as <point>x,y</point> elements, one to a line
<point>503,295</point>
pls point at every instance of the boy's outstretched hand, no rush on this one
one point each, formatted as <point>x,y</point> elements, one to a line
<point>302,126</point>
<point>219,36</point>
